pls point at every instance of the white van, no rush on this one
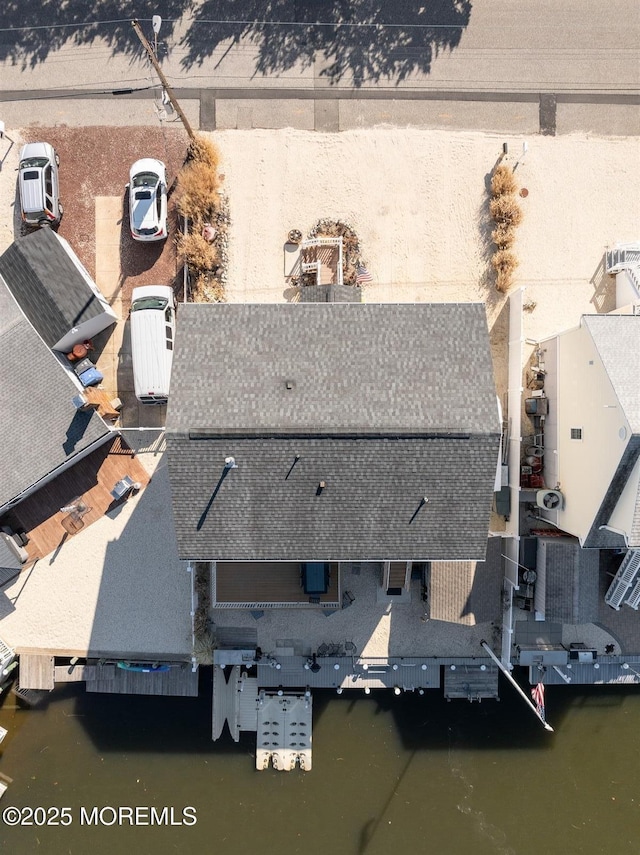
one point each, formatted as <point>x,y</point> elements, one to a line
<point>153,326</point>
<point>38,185</point>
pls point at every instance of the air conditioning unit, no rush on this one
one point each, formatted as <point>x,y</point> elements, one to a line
<point>550,500</point>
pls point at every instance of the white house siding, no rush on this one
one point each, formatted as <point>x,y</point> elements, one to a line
<point>585,399</point>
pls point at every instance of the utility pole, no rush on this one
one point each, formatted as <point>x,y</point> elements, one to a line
<point>163,79</point>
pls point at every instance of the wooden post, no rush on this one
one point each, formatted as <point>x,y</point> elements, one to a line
<point>163,79</point>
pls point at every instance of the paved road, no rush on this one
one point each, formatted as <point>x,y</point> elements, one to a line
<point>493,64</point>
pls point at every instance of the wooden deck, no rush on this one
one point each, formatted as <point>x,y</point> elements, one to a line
<point>179,681</point>
<point>36,672</point>
<point>263,582</point>
<point>92,478</point>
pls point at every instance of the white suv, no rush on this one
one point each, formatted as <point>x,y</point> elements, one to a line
<point>148,200</point>
<point>38,185</point>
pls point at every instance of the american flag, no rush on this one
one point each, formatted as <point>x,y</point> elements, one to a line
<point>537,693</point>
<point>363,276</point>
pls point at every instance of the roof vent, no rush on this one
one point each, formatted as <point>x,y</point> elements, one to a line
<point>321,486</point>
<point>230,463</point>
<point>289,384</point>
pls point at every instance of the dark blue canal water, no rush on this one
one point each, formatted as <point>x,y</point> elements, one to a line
<point>402,775</point>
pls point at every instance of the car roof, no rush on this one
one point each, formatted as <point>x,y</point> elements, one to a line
<point>164,291</point>
<point>37,149</point>
<point>147,164</point>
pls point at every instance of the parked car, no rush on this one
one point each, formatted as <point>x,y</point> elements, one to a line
<point>148,200</point>
<point>38,185</point>
<point>153,324</point>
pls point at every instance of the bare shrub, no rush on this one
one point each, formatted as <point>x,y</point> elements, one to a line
<point>504,235</point>
<point>506,210</point>
<point>205,288</point>
<point>202,150</point>
<point>504,263</point>
<point>196,252</point>
<point>197,192</point>
<point>503,181</point>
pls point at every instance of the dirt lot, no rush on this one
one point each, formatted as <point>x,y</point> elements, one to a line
<point>95,162</point>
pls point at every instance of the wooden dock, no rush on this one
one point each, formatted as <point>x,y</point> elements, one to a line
<point>36,672</point>
<point>471,682</point>
<point>179,681</point>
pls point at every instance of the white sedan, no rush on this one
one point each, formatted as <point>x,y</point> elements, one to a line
<point>148,200</point>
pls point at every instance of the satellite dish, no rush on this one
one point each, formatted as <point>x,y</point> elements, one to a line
<point>156,23</point>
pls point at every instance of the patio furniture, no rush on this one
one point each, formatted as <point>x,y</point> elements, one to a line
<point>124,487</point>
<point>72,523</point>
<point>315,577</point>
<point>347,599</point>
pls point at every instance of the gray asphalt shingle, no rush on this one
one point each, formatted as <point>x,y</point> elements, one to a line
<point>50,289</point>
<point>39,429</point>
<point>388,404</point>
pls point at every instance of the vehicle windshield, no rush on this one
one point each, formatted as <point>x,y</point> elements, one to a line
<point>149,303</point>
<point>30,162</point>
<point>145,179</point>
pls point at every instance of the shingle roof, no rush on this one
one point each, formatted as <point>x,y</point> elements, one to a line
<point>39,429</point>
<point>467,592</point>
<point>617,338</point>
<point>330,294</point>
<point>571,580</point>
<point>48,286</point>
<point>389,404</point>
<point>402,369</point>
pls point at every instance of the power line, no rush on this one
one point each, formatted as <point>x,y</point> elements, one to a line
<point>60,94</point>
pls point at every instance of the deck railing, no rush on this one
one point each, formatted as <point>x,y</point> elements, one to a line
<point>271,605</point>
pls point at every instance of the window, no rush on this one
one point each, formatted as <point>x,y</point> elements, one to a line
<point>576,433</point>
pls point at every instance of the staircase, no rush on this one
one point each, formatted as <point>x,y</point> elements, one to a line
<point>633,599</point>
<point>624,579</point>
<point>622,257</point>
<point>323,256</point>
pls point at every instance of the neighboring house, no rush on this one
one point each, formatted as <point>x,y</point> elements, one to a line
<point>623,262</point>
<point>41,432</point>
<point>54,290</point>
<point>567,583</point>
<point>592,431</point>
<point>332,433</point>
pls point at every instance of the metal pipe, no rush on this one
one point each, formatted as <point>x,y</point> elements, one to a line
<point>507,674</point>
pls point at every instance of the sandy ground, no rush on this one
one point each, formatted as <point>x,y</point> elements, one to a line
<point>116,589</point>
<point>418,202</point>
